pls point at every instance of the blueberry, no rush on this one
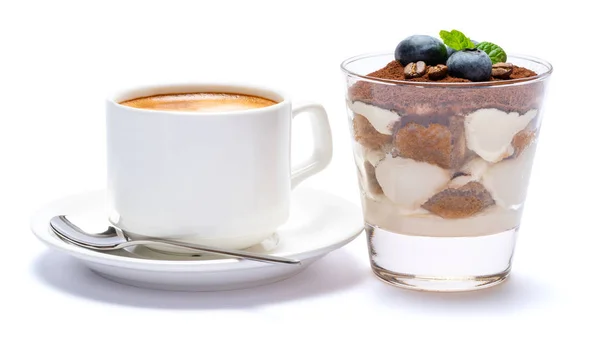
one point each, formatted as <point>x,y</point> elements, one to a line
<point>421,48</point>
<point>451,50</point>
<point>472,64</point>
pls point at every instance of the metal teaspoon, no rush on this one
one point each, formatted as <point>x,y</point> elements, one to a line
<point>114,238</point>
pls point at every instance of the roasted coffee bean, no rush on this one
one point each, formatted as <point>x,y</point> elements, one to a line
<point>437,72</point>
<point>503,65</point>
<point>412,70</point>
<point>502,70</point>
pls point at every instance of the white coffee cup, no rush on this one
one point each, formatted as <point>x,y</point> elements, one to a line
<point>220,179</point>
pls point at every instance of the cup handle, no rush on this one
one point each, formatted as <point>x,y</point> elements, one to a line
<point>323,148</point>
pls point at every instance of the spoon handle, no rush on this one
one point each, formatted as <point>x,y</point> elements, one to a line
<point>221,251</point>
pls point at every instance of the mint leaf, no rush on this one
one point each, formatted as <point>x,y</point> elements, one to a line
<point>497,55</point>
<point>456,40</point>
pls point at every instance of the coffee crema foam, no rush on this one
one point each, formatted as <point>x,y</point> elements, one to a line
<point>199,102</point>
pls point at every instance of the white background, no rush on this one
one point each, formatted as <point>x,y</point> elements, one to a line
<point>59,59</point>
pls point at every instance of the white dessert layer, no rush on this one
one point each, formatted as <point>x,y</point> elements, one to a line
<point>362,154</point>
<point>507,181</point>
<point>388,216</point>
<point>372,156</point>
<point>473,170</point>
<point>490,131</point>
<point>382,120</point>
<point>410,183</point>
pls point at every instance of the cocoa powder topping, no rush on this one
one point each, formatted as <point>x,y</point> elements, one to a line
<point>408,99</point>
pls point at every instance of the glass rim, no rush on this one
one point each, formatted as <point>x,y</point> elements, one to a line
<point>487,84</point>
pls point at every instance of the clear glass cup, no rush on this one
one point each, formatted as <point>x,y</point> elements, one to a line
<point>443,170</point>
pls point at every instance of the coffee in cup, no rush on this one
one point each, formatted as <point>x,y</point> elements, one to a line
<point>200,102</point>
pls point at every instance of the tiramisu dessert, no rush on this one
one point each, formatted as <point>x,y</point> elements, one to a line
<point>445,136</point>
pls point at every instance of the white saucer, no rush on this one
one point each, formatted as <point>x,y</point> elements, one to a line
<point>319,223</point>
